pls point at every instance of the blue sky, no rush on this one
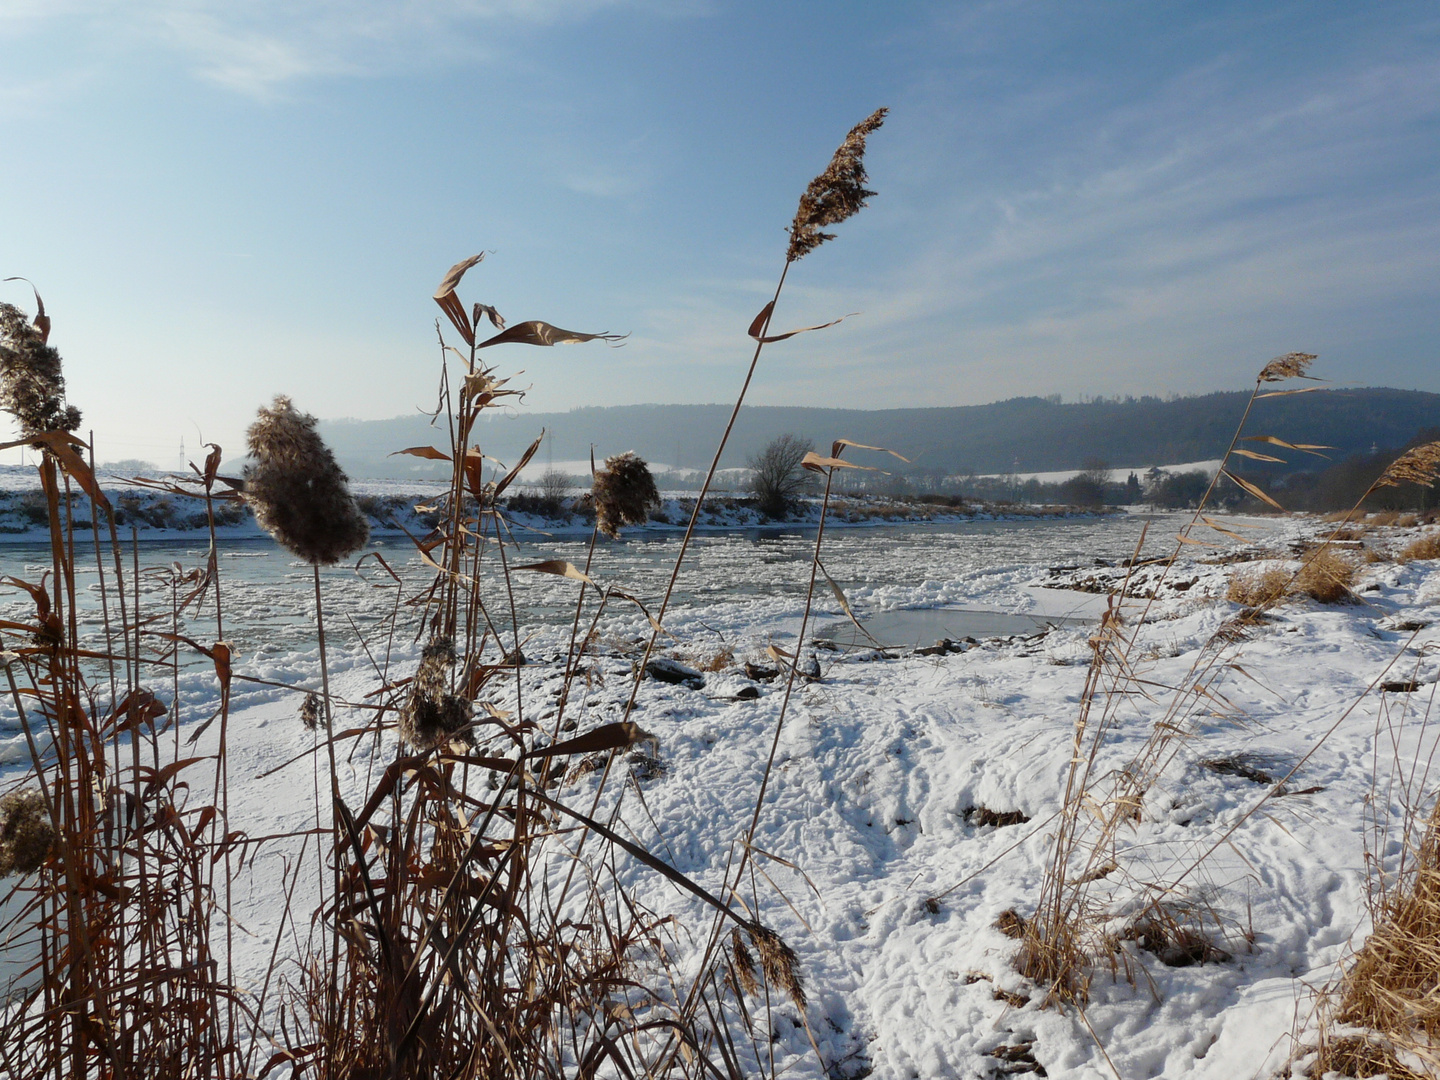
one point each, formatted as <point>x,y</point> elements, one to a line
<point>222,201</point>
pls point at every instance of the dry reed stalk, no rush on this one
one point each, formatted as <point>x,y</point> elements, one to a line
<point>1065,935</point>
<point>128,984</point>
<point>457,959</point>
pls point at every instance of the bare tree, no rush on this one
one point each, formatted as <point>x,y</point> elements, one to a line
<point>1087,488</point>
<point>554,486</point>
<point>776,476</point>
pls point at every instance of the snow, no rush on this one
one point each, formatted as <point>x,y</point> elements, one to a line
<point>879,761</point>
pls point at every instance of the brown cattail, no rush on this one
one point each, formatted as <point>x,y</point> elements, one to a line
<point>744,962</point>
<point>781,966</point>
<point>624,493</point>
<point>1290,366</point>
<point>298,491</point>
<point>835,194</point>
<point>31,386</point>
<point>310,711</point>
<point>26,835</point>
<point>432,715</point>
<point>1418,466</point>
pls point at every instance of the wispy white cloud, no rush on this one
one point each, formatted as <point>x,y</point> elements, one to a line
<point>262,48</point>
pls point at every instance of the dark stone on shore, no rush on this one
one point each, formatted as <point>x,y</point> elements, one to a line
<point>666,670</point>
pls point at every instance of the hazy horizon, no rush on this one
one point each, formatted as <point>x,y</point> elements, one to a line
<point>222,203</point>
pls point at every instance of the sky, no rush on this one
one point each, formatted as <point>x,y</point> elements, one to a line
<point>220,202</point>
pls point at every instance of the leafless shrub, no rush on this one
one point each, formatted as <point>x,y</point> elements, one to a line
<point>776,477</point>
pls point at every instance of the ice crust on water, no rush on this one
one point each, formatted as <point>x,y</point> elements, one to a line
<point>877,765</point>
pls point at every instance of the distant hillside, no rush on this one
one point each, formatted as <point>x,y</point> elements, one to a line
<point>1025,434</point>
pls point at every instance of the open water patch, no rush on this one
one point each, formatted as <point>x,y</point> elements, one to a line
<point>908,627</point>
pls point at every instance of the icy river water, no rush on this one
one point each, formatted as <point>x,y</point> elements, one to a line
<point>947,570</point>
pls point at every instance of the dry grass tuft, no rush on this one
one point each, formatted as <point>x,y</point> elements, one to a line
<point>1257,589</point>
<point>26,835</point>
<point>836,194</point>
<point>297,489</point>
<point>31,386</point>
<point>624,493</point>
<point>1394,985</point>
<point>1359,1056</point>
<point>722,658</point>
<point>1427,547</point>
<point>1010,923</point>
<point>1326,577</point>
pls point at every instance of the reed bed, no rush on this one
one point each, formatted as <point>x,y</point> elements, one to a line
<point>470,922</point>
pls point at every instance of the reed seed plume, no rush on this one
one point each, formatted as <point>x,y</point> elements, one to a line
<point>1420,466</point>
<point>1290,366</point>
<point>310,712</point>
<point>624,493</point>
<point>32,389</point>
<point>781,966</point>
<point>298,491</point>
<point>836,194</point>
<point>26,835</point>
<point>432,715</point>
<point>744,963</point>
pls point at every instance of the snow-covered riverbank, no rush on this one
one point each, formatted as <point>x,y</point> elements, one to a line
<point>896,883</point>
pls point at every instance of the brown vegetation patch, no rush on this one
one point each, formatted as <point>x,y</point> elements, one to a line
<point>981,815</point>
<point>1427,547</point>
<point>1257,589</point>
<point>1010,923</point>
<point>1245,766</point>
<point>1359,1056</point>
<point>1326,577</point>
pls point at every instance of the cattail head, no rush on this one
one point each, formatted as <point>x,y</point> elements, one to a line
<point>624,493</point>
<point>779,962</point>
<point>26,835</point>
<point>298,491</point>
<point>31,386</point>
<point>1290,366</point>
<point>835,194</point>
<point>432,715</point>
<point>1419,466</point>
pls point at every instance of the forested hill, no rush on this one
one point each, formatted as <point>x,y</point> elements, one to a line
<point>1026,434</point>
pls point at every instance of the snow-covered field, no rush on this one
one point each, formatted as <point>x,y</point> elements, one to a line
<point>892,907</point>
